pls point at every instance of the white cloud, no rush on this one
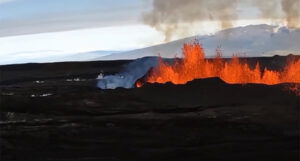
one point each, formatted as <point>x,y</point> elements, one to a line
<point>38,18</point>
<point>27,48</point>
<point>6,1</point>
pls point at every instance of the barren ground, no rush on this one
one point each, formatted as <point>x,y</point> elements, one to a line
<point>47,114</point>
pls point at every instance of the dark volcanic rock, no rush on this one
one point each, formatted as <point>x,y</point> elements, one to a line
<point>58,119</point>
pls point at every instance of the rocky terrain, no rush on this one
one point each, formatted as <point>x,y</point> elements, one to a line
<point>55,112</point>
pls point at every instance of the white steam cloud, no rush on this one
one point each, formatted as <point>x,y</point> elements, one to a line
<point>129,75</point>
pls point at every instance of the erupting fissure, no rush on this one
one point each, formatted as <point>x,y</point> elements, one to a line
<point>195,66</point>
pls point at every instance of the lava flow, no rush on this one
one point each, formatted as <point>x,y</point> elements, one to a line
<point>195,66</point>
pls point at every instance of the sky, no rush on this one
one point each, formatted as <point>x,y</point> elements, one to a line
<point>39,28</point>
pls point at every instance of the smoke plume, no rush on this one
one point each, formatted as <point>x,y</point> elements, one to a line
<point>173,17</point>
<point>168,15</point>
<point>129,75</point>
<point>291,8</point>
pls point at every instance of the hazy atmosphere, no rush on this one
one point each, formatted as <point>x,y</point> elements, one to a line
<point>41,31</point>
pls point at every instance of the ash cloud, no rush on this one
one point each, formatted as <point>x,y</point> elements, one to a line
<point>168,16</point>
<point>291,8</point>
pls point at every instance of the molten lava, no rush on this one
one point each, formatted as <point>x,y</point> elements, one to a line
<point>195,66</point>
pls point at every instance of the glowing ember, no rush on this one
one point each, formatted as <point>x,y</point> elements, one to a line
<point>295,88</point>
<point>195,66</point>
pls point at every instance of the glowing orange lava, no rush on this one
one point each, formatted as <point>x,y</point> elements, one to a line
<point>195,66</point>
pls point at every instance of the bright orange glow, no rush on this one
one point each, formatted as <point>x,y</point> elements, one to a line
<point>138,84</point>
<point>195,66</point>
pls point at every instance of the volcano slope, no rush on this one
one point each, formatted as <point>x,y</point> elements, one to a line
<point>55,112</point>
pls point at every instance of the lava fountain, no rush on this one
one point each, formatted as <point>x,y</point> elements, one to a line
<point>193,65</point>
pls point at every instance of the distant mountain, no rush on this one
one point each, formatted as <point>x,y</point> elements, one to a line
<point>250,41</point>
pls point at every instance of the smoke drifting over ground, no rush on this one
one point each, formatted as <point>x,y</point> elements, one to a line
<point>129,75</point>
<point>169,16</point>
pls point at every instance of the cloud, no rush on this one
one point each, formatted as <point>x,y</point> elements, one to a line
<point>58,46</point>
<point>6,1</point>
<point>31,17</point>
